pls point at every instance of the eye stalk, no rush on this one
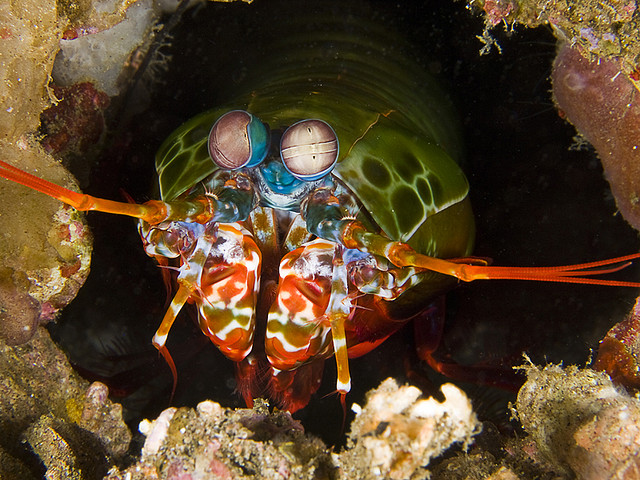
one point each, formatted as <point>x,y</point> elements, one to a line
<point>309,149</point>
<point>237,140</point>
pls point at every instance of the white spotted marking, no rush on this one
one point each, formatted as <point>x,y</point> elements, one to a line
<point>343,387</point>
<point>339,342</point>
<point>159,340</point>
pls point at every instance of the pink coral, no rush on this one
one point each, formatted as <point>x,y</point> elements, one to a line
<point>498,10</point>
<point>603,105</point>
<point>77,121</point>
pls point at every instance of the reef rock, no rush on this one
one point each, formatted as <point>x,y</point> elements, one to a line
<point>211,442</point>
<point>580,423</point>
<point>47,410</point>
<point>602,103</point>
<point>395,435</point>
<point>45,246</point>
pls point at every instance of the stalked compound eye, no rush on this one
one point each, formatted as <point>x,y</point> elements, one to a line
<point>309,149</point>
<point>238,139</point>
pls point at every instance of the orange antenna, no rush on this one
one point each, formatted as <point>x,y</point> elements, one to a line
<point>354,235</point>
<point>200,209</point>
<point>149,212</point>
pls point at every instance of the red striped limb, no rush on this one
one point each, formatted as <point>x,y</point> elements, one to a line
<point>402,255</point>
<point>427,334</point>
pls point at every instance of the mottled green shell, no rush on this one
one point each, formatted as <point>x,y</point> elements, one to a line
<point>398,136</point>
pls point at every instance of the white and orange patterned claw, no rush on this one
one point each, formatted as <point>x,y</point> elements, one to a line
<point>228,291</point>
<point>220,272</point>
<point>310,310</point>
<point>296,327</point>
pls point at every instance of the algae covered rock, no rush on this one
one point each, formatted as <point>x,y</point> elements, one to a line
<point>45,246</point>
<point>395,435</point>
<point>212,442</point>
<point>580,423</point>
<point>29,31</point>
<point>71,426</point>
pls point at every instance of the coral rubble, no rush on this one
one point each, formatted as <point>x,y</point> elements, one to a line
<point>212,442</point>
<point>395,435</point>
<point>604,29</point>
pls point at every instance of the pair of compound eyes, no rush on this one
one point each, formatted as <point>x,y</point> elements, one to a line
<point>309,149</point>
